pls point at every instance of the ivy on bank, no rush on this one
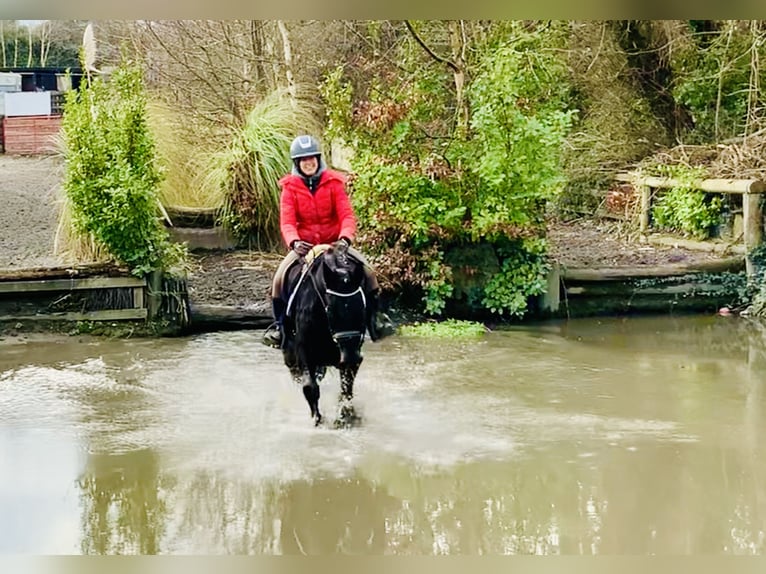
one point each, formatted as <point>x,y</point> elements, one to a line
<point>112,178</point>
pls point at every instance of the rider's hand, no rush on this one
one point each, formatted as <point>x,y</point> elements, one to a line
<point>301,247</point>
<point>345,240</point>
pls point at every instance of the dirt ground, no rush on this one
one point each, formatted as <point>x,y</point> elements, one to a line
<point>29,208</point>
<point>30,191</point>
<point>608,243</point>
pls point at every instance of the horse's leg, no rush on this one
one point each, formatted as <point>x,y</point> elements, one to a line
<point>297,375</point>
<point>311,392</point>
<point>346,413</point>
<point>347,377</point>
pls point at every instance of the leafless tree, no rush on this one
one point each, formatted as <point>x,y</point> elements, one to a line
<point>44,31</point>
<point>213,68</point>
<point>30,46</point>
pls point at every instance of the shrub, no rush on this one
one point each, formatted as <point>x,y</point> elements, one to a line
<point>112,179</point>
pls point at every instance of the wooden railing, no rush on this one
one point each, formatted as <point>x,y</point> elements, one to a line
<point>21,286</point>
<point>750,189</point>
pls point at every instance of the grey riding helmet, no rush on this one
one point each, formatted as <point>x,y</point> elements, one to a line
<point>304,146</point>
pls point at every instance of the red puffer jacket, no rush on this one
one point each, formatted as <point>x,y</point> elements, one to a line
<point>321,217</point>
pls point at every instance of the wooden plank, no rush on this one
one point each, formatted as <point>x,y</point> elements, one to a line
<point>138,297</point>
<point>707,246</point>
<point>154,294</point>
<point>31,134</point>
<point>731,264</point>
<point>646,200</point>
<point>63,271</point>
<point>69,284</point>
<point>619,288</point>
<point>210,317</point>
<point>105,315</point>
<point>710,185</point>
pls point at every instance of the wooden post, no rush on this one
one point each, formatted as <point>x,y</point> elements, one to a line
<point>138,297</point>
<point>154,294</point>
<point>646,200</point>
<point>552,296</point>
<point>753,227</point>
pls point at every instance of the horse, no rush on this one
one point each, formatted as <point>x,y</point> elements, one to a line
<point>325,325</point>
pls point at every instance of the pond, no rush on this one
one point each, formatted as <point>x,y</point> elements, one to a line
<point>590,436</point>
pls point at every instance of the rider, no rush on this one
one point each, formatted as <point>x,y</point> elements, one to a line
<point>315,209</point>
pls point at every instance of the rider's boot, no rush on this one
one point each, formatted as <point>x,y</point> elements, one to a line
<point>273,335</point>
<point>379,324</point>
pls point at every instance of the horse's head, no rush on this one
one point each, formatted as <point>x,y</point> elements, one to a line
<point>345,301</point>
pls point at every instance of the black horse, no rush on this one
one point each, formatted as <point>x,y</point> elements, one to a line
<point>325,325</point>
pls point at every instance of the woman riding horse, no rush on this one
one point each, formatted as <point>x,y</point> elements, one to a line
<point>314,210</point>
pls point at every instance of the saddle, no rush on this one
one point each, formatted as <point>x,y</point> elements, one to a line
<point>307,262</point>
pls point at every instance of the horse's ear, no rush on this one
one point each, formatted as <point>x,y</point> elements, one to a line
<point>340,246</point>
<point>328,257</point>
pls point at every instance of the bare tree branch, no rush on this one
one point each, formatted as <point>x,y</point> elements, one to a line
<point>430,52</point>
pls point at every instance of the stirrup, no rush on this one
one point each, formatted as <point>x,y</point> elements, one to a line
<point>381,326</point>
<point>273,336</point>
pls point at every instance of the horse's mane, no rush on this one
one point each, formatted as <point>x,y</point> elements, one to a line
<point>327,288</point>
<point>318,255</point>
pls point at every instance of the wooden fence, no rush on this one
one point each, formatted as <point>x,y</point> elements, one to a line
<point>91,293</point>
<point>750,189</point>
<point>23,287</point>
<point>30,135</point>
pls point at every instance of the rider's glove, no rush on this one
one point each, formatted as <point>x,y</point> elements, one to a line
<point>301,247</point>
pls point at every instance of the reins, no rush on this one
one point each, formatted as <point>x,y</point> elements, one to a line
<point>324,294</point>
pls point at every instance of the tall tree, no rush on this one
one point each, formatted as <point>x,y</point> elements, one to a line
<point>44,31</point>
<point>30,46</point>
<point>2,42</point>
<point>288,53</point>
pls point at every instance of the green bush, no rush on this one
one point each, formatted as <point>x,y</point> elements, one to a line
<point>712,81</point>
<point>685,208</point>
<point>421,187</point>
<point>448,329</point>
<point>112,179</point>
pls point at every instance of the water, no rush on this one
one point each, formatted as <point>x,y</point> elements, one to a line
<point>620,436</point>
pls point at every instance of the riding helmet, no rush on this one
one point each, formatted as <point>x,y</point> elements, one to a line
<point>304,146</point>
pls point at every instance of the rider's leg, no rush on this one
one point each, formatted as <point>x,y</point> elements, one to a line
<point>379,324</point>
<point>273,336</point>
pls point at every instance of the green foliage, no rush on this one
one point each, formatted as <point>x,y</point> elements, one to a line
<point>437,287</point>
<point>684,208</point>
<point>422,187</point>
<point>248,170</point>
<point>448,329</point>
<point>712,82</point>
<point>519,121</point>
<point>523,274</point>
<point>755,293</point>
<point>112,179</point>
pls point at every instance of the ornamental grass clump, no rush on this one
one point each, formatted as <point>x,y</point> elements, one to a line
<point>248,170</point>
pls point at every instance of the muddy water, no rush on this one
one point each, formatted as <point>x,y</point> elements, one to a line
<point>629,436</point>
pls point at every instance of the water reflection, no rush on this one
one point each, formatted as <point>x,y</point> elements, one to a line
<point>629,436</point>
<point>123,506</point>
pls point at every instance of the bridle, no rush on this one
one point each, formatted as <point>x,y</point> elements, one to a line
<point>330,296</point>
<point>341,337</point>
